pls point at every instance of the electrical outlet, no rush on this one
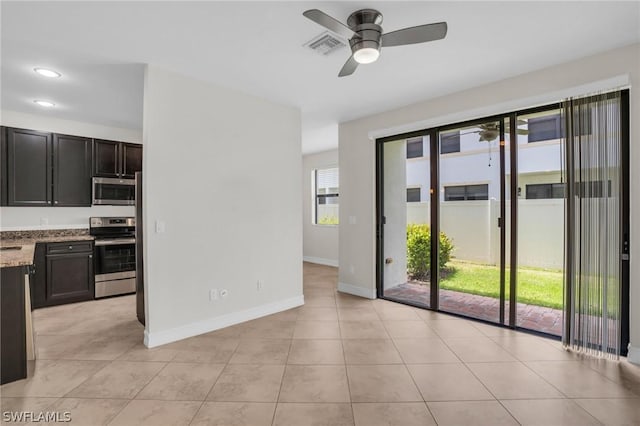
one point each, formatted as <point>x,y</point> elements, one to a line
<point>259,285</point>
<point>213,294</point>
<point>224,293</point>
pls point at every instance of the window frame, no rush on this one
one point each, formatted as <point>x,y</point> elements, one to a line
<point>420,141</point>
<point>466,191</point>
<point>316,197</point>
<point>450,136</point>
<point>419,189</point>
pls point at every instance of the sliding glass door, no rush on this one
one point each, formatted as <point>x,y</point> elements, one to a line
<point>471,244</point>
<point>406,249</point>
<point>472,217</point>
<point>541,196</point>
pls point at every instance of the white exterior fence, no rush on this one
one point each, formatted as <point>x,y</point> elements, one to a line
<point>473,227</point>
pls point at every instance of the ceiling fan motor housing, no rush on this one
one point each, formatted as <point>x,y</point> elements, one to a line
<point>365,23</point>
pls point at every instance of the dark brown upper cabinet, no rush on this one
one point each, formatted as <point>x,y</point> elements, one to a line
<point>106,158</point>
<point>71,171</point>
<point>131,159</point>
<point>28,167</point>
<point>116,159</point>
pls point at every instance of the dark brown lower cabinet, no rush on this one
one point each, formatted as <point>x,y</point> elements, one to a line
<point>64,273</point>
<point>13,341</point>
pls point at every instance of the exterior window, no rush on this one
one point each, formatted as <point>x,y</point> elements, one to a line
<point>545,128</point>
<point>541,191</point>
<point>413,195</point>
<point>414,148</point>
<point>325,189</point>
<point>593,189</point>
<point>466,192</point>
<point>450,142</point>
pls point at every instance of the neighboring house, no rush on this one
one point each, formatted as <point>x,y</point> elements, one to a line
<point>469,168</point>
<point>470,190</point>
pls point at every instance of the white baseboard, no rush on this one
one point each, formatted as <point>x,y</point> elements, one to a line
<point>158,338</point>
<point>633,355</point>
<point>320,261</point>
<point>369,293</point>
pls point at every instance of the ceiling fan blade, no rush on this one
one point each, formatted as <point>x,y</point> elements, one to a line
<point>327,21</point>
<point>349,67</point>
<point>413,35</point>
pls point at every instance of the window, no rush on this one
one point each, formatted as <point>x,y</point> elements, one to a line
<point>540,191</point>
<point>466,192</point>
<point>325,186</point>
<point>545,128</point>
<point>450,142</point>
<point>593,189</point>
<point>413,195</point>
<point>414,148</point>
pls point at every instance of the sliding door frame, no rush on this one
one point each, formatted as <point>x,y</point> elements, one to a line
<point>433,133</point>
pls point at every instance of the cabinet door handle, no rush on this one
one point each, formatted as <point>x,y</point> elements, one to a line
<point>70,247</point>
<point>90,256</point>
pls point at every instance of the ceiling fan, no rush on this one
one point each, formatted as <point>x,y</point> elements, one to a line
<point>488,132</point>
<point>366,37</point>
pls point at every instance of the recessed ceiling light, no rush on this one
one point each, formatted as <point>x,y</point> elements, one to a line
<point>45,104</point>
<point>47,72</point>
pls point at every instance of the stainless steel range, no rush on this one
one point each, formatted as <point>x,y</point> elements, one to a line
<point>115,255</point>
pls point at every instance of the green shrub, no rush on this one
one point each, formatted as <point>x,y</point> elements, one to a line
<point>419,250</point>
<point>328,220</point>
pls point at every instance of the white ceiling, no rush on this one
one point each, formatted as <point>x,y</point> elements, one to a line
<point>256,47</point>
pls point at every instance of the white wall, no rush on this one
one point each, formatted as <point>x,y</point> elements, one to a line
<point>357,238</point>
<point>320,241</point>
<point>395,213</point>
<point>222,172</point>
<point>27,218</point>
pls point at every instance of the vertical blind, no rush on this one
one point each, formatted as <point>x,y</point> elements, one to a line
<point>593,281</point>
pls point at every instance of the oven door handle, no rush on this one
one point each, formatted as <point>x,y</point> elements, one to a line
<point>116,242</point>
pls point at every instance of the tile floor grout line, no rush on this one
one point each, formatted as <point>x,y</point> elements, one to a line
<point>489,390</point>
<point>346,372</point>
<point>284,372</point>
<point>412,378</point>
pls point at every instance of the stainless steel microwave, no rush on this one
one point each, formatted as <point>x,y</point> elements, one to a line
<point>114,191</point>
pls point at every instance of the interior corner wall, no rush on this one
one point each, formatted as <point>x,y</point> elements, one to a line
<point>222,177</point>
<point>30,218</point>
<point>357,245</point>
<point>320,242</point>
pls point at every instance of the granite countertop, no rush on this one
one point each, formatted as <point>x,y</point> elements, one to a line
<point>27,241</point>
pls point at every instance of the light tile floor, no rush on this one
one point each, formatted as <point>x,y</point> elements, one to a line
<point>338,360</point>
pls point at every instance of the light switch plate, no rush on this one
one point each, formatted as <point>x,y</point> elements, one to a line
<point>160,227</point>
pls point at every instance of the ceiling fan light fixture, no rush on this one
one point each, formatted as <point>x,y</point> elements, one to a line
<point>45,72</point>
<point>366,55</point>
<point>45,104</point>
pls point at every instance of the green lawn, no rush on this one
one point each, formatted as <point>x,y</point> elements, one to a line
<point>539,287</point>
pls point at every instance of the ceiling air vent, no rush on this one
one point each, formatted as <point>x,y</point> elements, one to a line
<point>325,44</point>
